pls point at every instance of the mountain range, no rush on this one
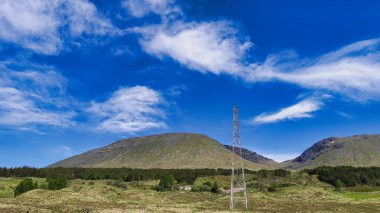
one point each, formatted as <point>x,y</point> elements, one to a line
<point>190,150</point>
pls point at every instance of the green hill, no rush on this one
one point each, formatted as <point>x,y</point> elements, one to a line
<point>172,150</point>
<point>359,150</point>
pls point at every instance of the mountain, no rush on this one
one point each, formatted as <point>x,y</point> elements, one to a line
<point>359,150</point>
<point>254,157</point>
<point>171,150</point>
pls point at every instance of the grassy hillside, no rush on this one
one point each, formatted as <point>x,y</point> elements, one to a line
<point>361,150</point>
<point>172,150</point>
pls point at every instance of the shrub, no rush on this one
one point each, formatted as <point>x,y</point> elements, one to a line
<point>338,185</point>
<point>43,186</point>
<point>204,188</point>
<point>166,183</point>
<point>273,187</point>
<point>215,188</point>
<point>208,183</point>
<point>281,173</point>
<point>56,183</point>
<point>195,188</point>
<point>24,186</point>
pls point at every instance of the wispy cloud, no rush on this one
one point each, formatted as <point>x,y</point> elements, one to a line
<point>352,71</point>
<point>302,109</point>
<point>204,46</point>
<point>141,8</point>
<point>32,97</point>
<point>43,26</point>
<point>130,110</point>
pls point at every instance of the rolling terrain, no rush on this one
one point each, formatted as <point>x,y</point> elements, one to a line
<point>171,150</point>
<point>359,150</point>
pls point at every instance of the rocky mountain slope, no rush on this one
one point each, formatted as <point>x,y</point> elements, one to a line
<point>254,157</point>
<point>359,150</point>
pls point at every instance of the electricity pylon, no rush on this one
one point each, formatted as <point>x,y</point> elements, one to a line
<point>238,186</point>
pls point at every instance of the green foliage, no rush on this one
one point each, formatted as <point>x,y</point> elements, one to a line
<point>273,187</point>
<point>208,183</point>
<point>24,186</point>
<point>215,188</point>
<point>206,187</point>
<point>187,176</point>
<point>349,176</point>
<point>43,186</point>
<point>195,188</point>
<point>271,173</point>
<point>56,183</point>
<point>166,183</point>
<point>338,185</point>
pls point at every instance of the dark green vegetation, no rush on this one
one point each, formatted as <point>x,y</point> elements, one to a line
<point>25,186</point>
<point>358,151</point>
<point>338,185</point>
<point>349,176</point>
<point>172,150</point>
<point>56,183</point>
<point>126,174</point>
<point>166,183</point>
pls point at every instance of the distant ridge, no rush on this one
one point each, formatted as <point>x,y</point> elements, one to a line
<point>358,150</point>
<point>170,150</point>
<point>254,157</point>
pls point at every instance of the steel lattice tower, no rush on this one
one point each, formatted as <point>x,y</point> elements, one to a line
<point>238,186</point>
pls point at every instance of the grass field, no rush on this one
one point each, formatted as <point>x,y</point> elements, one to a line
<point>301,194</point>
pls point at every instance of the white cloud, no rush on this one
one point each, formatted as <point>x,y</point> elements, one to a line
<point>32,97</point>
<point>352,71</point>
<point>206,46</point>
<point>140,8</point>
<point>41,25</point>
<point>130,110</point>
<point>303,109</point>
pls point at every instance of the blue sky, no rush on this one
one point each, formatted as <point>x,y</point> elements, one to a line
<point>76,74</point>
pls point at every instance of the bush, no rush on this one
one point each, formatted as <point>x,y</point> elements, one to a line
<point>208,183</point>
<point>43,186</point>
<point>56,183</point>
<point>166,183</point>
<point>204,188</point>
<point>24,186</point>
<point>195,188</point>
<point>215,188</point>
<point>338,185</point>
<point>273,187</point>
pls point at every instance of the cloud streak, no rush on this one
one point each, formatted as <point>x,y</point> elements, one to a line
<point>302,109</point>
<point>32,97</point>
<point>352,71</point>
<point>43,26</point>
<point>204,46</point>
<point>130,110</point>
<point>141,8</point>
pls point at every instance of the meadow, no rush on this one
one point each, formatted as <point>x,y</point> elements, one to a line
<point>297,192</point>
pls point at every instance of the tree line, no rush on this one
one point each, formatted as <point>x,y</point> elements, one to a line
<point>126,174</point>
<point>348,175</point>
